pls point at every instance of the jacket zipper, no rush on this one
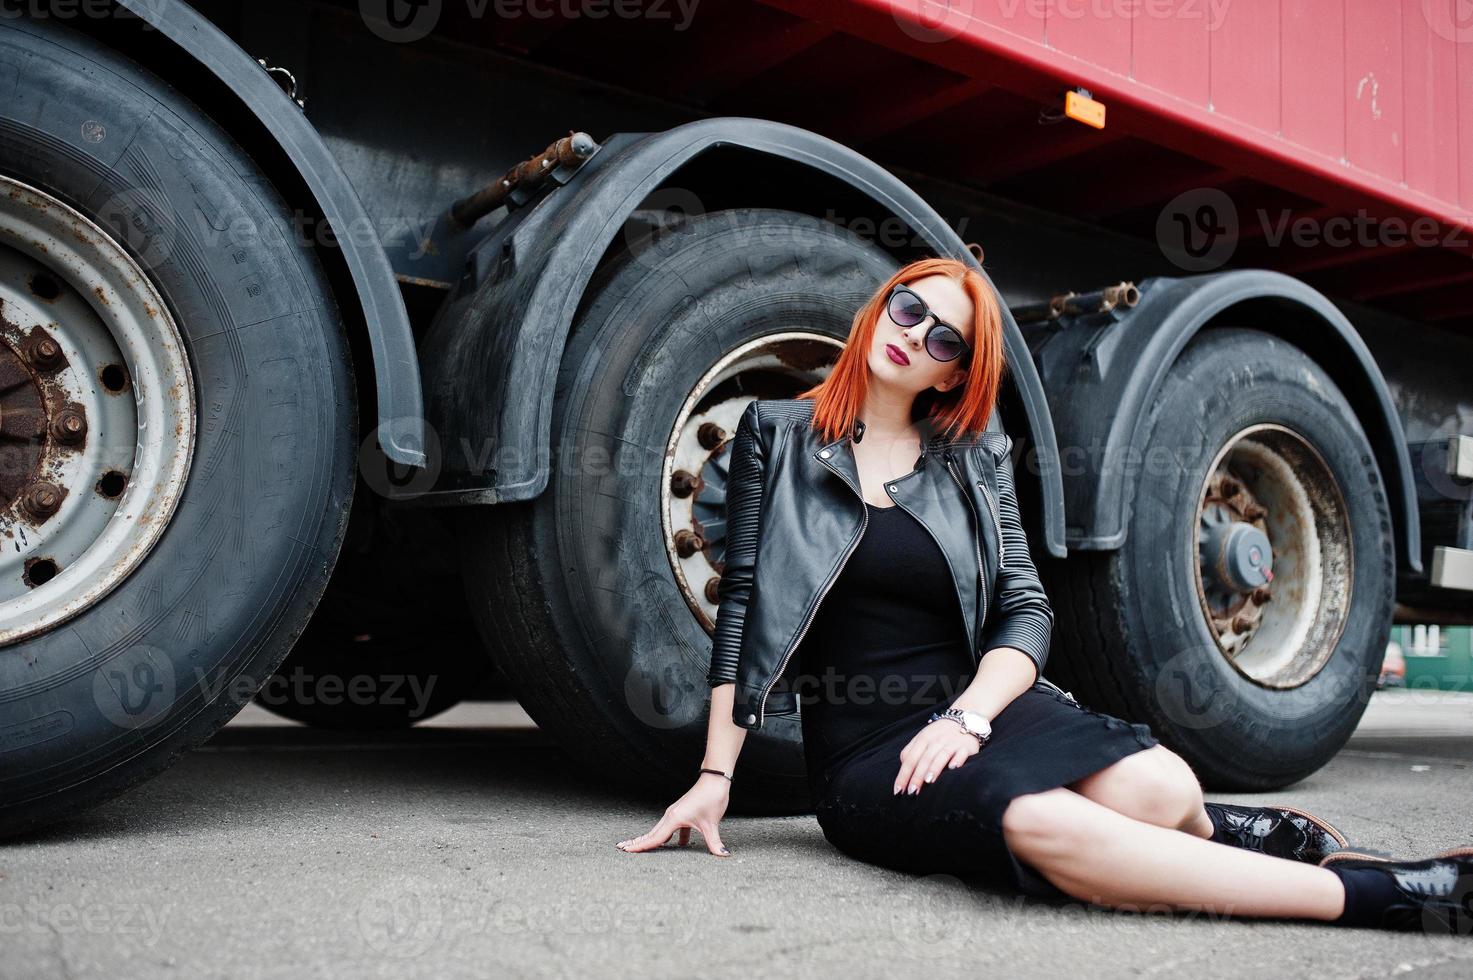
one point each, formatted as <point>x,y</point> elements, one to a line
<point>813,610</point>
<point>1002,551</point>
<point>976,538</point>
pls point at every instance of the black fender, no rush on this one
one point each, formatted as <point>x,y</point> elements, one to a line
<point>1102,373</point>
<point>490,361</point>
<point>396,367</point>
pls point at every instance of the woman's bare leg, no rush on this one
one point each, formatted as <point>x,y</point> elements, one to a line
<point>1154,785</point>
<point>1099,855</point>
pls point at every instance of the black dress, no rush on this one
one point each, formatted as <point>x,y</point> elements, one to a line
<point>886,649</point>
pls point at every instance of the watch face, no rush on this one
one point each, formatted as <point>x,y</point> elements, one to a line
<point>976,722</point>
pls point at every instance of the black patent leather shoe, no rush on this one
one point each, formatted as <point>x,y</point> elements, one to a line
<point>1435,893</point>
<point>1280,831</point>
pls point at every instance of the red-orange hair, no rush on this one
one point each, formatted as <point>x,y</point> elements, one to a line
<point>963,410</point>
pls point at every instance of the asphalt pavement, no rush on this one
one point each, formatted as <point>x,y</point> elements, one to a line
<point>472,847</point>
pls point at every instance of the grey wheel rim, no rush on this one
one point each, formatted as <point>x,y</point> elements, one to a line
<point>693,478</point>
<point>1274,558</point>
<point>97,413</point>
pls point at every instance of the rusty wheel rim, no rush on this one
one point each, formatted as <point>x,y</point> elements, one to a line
<point>97,418</point>
<point>694,471</point>
<point>1274,562</point>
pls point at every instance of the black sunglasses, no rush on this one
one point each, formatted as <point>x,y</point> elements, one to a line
<point>943,341</point>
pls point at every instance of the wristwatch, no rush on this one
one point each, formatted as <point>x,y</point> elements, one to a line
<point>971,722</point>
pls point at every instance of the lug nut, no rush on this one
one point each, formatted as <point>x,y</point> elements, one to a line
<point>683,483</point>
<point>713,585</point>
<point>710,435</point>
<point>41,500</point>
<point>44,352</point>
<point>69,426</point>
<point>688,542</point>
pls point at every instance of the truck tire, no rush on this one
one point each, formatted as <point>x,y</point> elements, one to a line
<point>601,625</point>
<point>204,494</point>
<point>1253,460</point>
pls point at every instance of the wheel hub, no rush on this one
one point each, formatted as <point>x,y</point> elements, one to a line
<point>697,456</point>
<point>1238,554</point>
<point>1273,556</point>
<point>23,415</point>
<point>97,413</point>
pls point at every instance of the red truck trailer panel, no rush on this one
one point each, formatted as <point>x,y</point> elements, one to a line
<point>1335,106</point>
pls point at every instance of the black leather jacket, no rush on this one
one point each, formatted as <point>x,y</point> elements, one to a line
<point>795,513</point>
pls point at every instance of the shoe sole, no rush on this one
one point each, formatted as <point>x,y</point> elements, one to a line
<point>1320,822</point>
<point>1381,857</point>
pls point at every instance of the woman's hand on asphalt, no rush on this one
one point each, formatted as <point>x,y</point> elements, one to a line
<point>701,808</point>
<point>940,744</point>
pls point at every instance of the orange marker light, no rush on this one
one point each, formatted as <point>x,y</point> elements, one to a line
<point>1081,107</point>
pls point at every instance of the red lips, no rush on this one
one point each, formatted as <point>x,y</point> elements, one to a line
<point>896,354</point>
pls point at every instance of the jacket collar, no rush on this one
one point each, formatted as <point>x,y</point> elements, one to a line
<point>838,455</point>
<point>933,441</point>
